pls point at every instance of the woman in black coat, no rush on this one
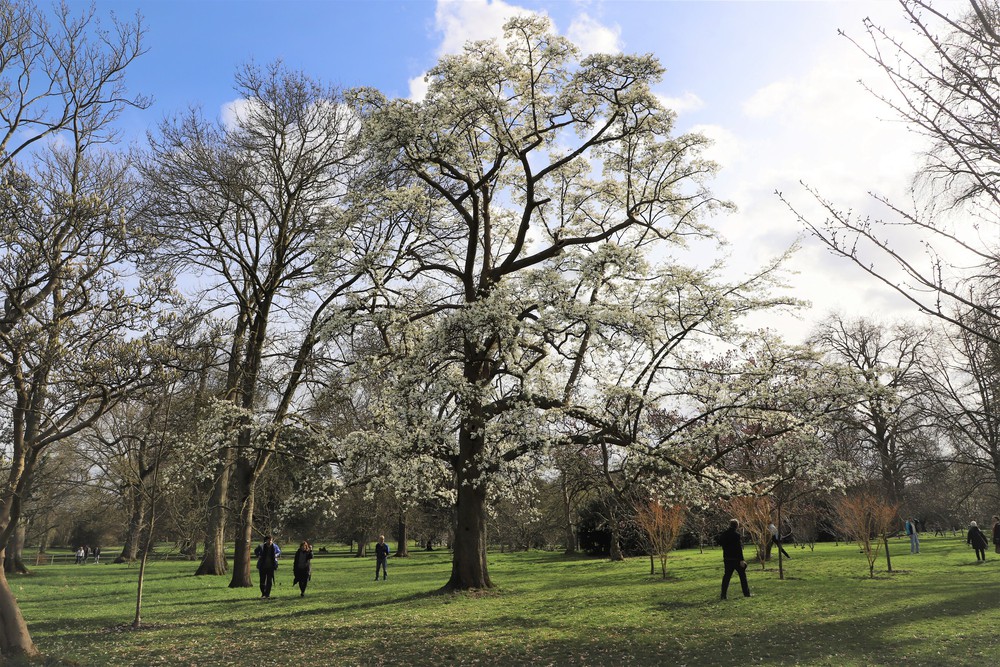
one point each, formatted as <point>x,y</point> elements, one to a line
<point>302,567</point>
<point>978,541</point>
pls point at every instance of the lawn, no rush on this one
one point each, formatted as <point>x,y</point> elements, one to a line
<point>938,608</point>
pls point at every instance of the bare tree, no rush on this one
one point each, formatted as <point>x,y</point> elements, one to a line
<point>888,421</point>
<point>965,398</point>
<point>67,331</point>
<point>662,525</point>
<point>866,517</point>
<point>258,207</point>
<point>939,253</point>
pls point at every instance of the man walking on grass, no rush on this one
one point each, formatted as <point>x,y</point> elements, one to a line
<point>267,562</point>
<point>381,557</point>
<point>732,557</point>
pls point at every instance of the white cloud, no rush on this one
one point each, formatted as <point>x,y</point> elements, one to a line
<point>688,101</point>
<point>460,21</point>
<point>768,100</point>
<point>231,113</point>
<point>418,88</point>
<point>594,37</point>
<point>463,20</point>
<point>727,149</point>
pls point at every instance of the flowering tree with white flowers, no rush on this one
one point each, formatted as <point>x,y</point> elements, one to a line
<point>538,297</point>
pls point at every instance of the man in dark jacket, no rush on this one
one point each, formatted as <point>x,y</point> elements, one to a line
<point>381,556</point>
<point>267,562</point>
<point>732,557</point>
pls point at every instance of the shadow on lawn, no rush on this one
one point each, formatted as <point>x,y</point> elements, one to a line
<point>862,639</point>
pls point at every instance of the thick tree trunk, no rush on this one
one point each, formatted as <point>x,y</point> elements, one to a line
<point>468,566</point>
<point>213,561</point>
<point>137,519</point>
<point>244,533</point>
<point>888,558</point>
<point>15,640</point>
<point>401,545</point>
<point>13,561</point>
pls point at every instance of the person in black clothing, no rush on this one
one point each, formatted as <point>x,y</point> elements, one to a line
<point>732,557</point>
<point>381,557</point>
<point>978,541</point>
<point>996,533</point>
<point>775,541</point>
<point>302,567</point>
<point>267,562</point>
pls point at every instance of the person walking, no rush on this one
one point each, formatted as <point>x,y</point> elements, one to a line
<point>97,554</point>
<point>911,531</point>
<point>996,533</point>
<point>776,541</point>
<point>978,541</point>
<point>79,555</point>
<point>302,567</point>
<point>267,554</point>
<point>381,557</point>
<point>732,558</point>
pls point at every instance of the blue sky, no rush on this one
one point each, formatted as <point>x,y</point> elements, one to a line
<point>770,81</point>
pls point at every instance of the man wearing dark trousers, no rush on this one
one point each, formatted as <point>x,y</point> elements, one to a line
<point>381,556</point>
<point>267,562</point>
<point>732,557</point>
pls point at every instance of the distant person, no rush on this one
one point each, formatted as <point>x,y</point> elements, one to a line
<point>302,567</point>
<point>79,555</point>
<point>732,558</point>
<point>97,554</point>
<point>381,557</point>
<point>996,533</point>
<point>86,553</point>
<point>911,531</point>
<point>776,540</point>
<point>267,554</point>
<point>978,541</point>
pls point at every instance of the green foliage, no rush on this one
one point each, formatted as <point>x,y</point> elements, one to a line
<point>938,609</point>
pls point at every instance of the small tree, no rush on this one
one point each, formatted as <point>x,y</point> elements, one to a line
<point>754,514</point>
<point>866,517</point>
<point>662,525</point>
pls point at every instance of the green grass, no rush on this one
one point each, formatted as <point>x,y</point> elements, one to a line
<point>938,608</point>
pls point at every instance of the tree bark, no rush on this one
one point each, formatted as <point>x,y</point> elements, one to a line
<point>213,561</point>
<point>244,532</point>
<point>14,637</point>
<point>401,545</point>
<point>568,518</point>
<point>13,561</point>
<point>616,543</point>
<point>468,566</point>
<point>137,519</point>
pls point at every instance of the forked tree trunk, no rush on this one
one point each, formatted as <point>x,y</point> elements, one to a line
<point>130,548</point>
<point>468,565</point>
<point>213,561</point>
<point>13,562</point>
<point>15,640</point>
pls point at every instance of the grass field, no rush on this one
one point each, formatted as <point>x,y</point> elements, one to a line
<point>938,608</point>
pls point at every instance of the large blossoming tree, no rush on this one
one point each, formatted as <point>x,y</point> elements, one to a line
<point>545,194</point>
